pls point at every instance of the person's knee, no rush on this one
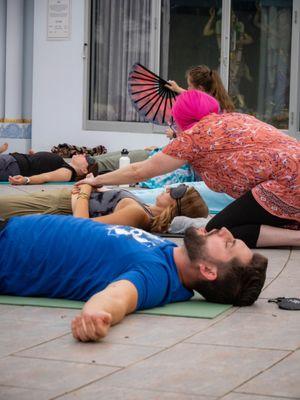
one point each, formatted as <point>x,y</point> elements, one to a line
<point>247,233</point>
<point>213,224</point>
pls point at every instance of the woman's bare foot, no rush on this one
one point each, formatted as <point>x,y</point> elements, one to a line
<point>3,147</point>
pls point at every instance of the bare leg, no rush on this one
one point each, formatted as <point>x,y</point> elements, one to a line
<point>273,236</point>
<point>3,147</point>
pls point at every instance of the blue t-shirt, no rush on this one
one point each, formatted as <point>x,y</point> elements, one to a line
<point>72,258</point>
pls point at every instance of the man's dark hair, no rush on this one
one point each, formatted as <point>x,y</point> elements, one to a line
<point>236,283</point>
<point>92,168</point>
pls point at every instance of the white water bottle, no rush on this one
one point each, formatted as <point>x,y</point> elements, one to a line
<point>123,161</point>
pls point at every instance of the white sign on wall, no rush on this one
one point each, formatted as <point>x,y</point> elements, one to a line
<point>59,20</point>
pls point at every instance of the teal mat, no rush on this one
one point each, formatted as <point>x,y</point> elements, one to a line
<point>194,308</point>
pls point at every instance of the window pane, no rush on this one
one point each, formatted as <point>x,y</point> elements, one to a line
<point>120,37</point>
<point>190,36</point>
<point>260,51</point>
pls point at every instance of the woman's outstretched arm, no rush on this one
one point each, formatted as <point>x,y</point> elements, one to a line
<point>157,165</point>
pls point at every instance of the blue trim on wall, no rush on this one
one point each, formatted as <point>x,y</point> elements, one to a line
<point>15,131</point>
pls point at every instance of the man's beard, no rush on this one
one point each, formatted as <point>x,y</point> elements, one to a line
<point>194,244</point>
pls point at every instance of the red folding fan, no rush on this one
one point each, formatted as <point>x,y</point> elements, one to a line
<point>149,95</point>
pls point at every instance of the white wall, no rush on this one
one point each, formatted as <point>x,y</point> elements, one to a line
<point>58,91</point>
<point>16,145</point>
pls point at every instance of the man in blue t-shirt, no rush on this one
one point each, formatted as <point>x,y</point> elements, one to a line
<point>118,269</point>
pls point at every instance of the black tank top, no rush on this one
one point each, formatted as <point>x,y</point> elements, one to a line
<point>104,203</point>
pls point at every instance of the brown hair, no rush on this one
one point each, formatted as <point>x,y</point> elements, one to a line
<point>236,284</point>
<point>192,205</point>
<point>212,84</point>
<point>92,168</point>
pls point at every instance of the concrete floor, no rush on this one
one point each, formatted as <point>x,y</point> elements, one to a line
<point>244,354</point>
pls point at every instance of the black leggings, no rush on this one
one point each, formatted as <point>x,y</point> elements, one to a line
<point>244,217</point>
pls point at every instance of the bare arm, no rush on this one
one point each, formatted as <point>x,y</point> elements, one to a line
<point>80,201</point>
<point>157,165</point>
<point>175,87</point>
<point>208,30</point>
<point>104,309</point>
<point>132,215</point>
<point>59,175</point>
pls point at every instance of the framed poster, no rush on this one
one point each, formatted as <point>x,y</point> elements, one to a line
<point>59,20</point>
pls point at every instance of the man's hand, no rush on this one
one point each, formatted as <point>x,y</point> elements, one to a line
<point>88,327</point>
<point>17,180</point>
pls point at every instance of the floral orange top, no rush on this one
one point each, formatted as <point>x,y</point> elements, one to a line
<point>235,153</point>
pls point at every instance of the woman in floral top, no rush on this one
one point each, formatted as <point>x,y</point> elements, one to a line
<point>238,155</point>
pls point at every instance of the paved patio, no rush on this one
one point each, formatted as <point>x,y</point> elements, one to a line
<point>244,354</point>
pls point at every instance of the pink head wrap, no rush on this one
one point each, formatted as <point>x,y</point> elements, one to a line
<point>191,106</point>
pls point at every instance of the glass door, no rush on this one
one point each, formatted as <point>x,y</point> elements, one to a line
<point>255,46</point>
<point>190,36</point>
<point>260,59</point>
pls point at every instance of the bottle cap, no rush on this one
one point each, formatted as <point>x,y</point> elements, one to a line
<point>124,152</point>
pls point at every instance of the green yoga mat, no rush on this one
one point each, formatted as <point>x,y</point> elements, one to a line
<point>194,308</point>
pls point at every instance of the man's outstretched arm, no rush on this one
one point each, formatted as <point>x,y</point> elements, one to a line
<point>104,309</point>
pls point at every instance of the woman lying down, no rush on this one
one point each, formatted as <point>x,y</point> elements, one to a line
<point>111,206</point>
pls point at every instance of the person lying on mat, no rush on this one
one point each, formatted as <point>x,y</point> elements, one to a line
<point>119,269</point>
<point>111,206</point>
<point>13,169</point>
<point>43,166</point>
<point>236,154</point>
